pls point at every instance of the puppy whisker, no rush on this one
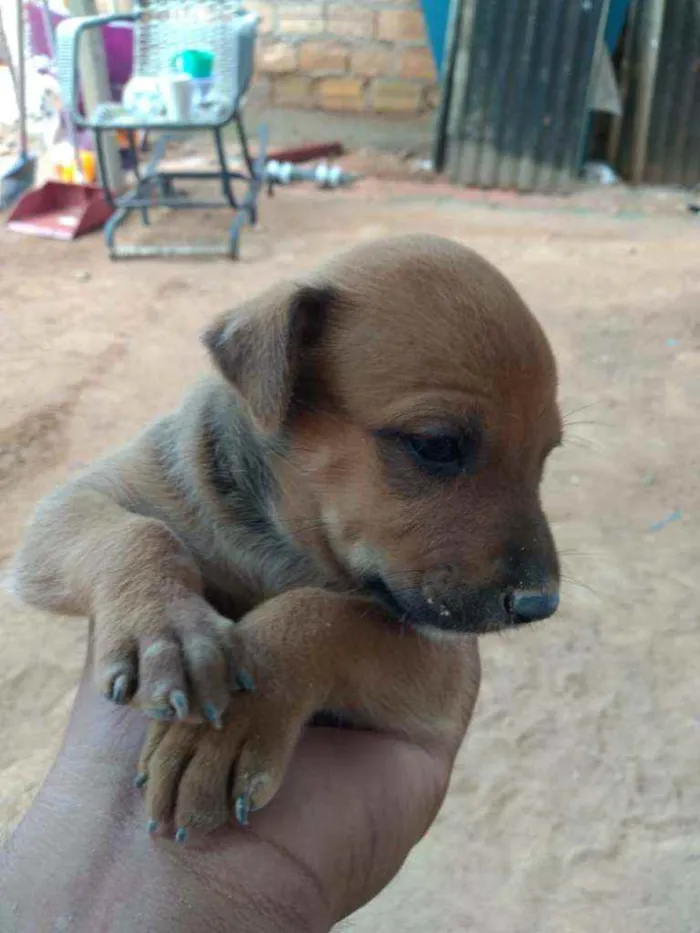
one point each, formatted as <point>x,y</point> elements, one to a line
<point>575,552</point>
<point>573,581</point>
<point>595,424</point>
<point>575,411</point>
<point>584,443</point>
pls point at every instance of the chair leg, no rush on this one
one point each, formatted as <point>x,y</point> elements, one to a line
<point>257,169</point>
<point>142,185</point>
<point>111,227</point>
<point>244,145</point>
<point>102,167</point>
<point>153,187</point>
<point>226,185</point>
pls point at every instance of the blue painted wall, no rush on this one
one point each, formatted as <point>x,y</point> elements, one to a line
<point>436,14</point>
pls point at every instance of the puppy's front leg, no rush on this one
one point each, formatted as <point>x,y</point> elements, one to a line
<point>156,639</point>
<point>308,650</point>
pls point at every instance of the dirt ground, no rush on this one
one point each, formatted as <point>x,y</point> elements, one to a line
<point>575,806</point>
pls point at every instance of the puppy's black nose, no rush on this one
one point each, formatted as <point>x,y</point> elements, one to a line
<point>533,605</point>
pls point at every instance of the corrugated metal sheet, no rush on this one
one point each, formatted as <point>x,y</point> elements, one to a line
<point>522,73</point>
<point>673,151</point>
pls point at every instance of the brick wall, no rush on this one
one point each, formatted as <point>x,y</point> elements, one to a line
<point>367,56</point>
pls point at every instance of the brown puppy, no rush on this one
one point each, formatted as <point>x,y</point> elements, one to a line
<point>362,477</point>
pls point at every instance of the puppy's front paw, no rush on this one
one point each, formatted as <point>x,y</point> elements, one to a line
<point>176,661</point>
<point>198,778</point>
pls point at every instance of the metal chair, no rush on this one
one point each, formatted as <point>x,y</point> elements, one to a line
<point>162,30</point>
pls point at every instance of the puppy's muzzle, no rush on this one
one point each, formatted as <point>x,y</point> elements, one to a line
<point>481,610</point>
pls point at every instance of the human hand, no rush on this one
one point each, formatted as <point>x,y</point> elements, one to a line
<point>352,806</point>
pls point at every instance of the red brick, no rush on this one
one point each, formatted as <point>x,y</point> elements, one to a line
<point>372,62</point>
<point>417,63</point>
<point>389,96</point>
<point>401,26</point>
<point>349,21</point>
<point>277,58</point>
<point>323,57</point>
<point>301,19</point>
<point>341,94</point>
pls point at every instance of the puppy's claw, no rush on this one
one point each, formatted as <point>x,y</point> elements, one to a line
<point>242,809</point>
<point>213,715</point>
<point>181,835</point>
<point>162,715</point>
<point>151,826</point>
<point>120,689</point>
<point>140,779</point>
<point>179,703</point>
<point>245,681</point>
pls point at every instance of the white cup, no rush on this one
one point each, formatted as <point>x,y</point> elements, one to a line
<point>177,94</point>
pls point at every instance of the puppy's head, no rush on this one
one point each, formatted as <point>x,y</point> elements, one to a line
<point>417,397</point>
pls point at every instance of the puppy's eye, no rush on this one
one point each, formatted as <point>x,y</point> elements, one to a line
<point>442,454</point>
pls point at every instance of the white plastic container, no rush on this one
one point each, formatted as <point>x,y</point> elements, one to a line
<point>177,92</point>
<point>143,98</point>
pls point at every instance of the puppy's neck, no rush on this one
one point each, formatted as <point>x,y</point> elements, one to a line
<point>255,479</point>
<point>298,516</point>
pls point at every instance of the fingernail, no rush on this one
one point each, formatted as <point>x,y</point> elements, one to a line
<point>178,701</point>
<point>164,715</point>
<point>140,779</point>
<point>245,681</point>
<point>151,826</point>
<point>181,834</point>
<point>119,688</point>
<point>242,809</point>
<point>213,715</point>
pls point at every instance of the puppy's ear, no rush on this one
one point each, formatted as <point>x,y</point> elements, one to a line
<point>260,346</point>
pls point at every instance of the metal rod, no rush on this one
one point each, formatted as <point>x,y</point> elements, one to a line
<point>206,176</point>
<point>5,46</point>
<point>613,146</point>
<point>244,145</point>
<point>140,186</point>
<point>652,24</point>
<point>225,180</point>
<point>22,80</point>
<point>102,166</point>
<point>140,202</point>
<point>145,195</point>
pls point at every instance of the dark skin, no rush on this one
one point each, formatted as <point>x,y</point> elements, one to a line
<point>352,807</point>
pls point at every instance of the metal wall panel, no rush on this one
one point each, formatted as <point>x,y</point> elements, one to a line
<point>673,149</point>
<point>519,118</point>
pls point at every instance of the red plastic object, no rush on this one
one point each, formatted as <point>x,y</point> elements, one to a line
<point>307,152</point>
<point>60,210</point>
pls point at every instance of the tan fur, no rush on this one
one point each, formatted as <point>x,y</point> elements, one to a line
<point>240,536</point>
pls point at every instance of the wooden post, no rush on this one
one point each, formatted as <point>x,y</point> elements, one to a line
<point>94,84</point>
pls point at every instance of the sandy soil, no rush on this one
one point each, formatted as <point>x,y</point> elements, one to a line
<point>575,804</point>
